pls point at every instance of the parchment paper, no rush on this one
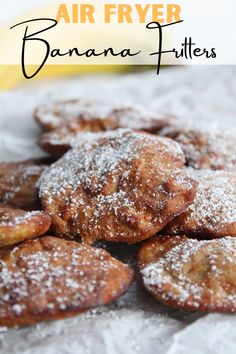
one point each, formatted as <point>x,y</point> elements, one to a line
<point>135,323</point>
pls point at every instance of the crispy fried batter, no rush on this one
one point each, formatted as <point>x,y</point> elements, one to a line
<point>18,225</point>
<point>120,186</point>
<point>213,212</point>
<point>60,140</point>
<point>51,278</point>
<point>207,145</point>
<point>84,115</point>
<point>190,274</point>
<point>17,184</point>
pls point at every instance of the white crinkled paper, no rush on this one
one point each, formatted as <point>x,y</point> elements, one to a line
<point>135,323</point>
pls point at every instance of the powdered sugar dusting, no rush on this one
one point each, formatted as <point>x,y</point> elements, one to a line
<point>142,324</point>
<point>15,218</point>
<point>49,275</point>
<point>105,174</point>
<point>99,154</point>
<point>205,144</point>
<point>215,198</point>
<point>123,114</point>
<point>193,272</point>
<point>214,208</point>
<point>17,184</point>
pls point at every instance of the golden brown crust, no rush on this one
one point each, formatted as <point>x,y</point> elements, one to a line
<point>18,184</point>
<point>17,225</point>
<point>213,212</point>
<point>190,274</point>
<point>120,186</point>
<point>51,278</point>
<point>58,141</point>
<point>95,116</point>
<point>206,145</point>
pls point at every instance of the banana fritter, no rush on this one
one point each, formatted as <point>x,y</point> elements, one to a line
<point>17,184</point>
<point>17,225</point>
<point>58,141</point>
<point>119,186</point>
<point>50,278</point>
<point>213,212</point>
<point>208,145</point>
<point>190,274</point>
<point>84,115</point>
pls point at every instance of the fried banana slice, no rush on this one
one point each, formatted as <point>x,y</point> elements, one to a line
<point>213,212</point>
<point>85,115</point>
<point>50,278</point>
<point>18,225</point>
<point>18,184</point>
<point>190,274</point>
<point>118,186</point>
<point>208,145</point>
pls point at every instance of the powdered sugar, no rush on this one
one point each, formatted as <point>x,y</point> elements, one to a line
<point>17,184</point>
<point>205,144</point>
<point>185,271</point>
<point>11,218</point>
<point>122,114</point>
<point>99,154</point>
<point>127,175</point>
<point>51,275</point>
<point>142,324</point>
<point>215,198</point>
<point>213,212</point>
